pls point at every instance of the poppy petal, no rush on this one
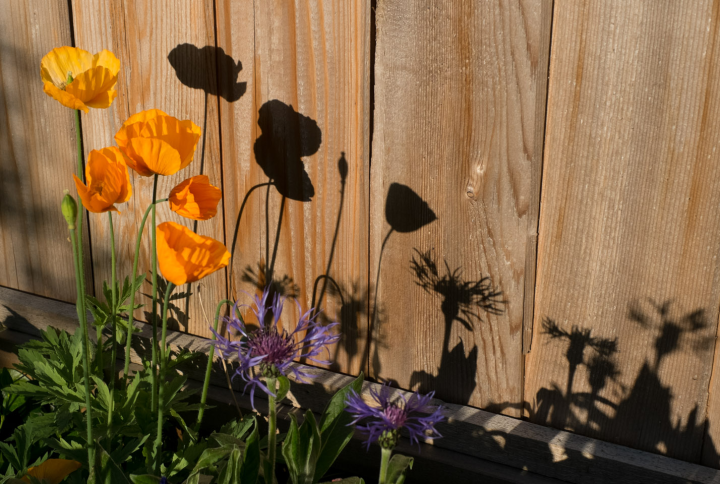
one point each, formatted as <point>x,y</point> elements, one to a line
<point>184,256</point>
<point>56,65</point>
<point>102,100</point>
<point>53,471</point>
<point>133,125</point>
<point>195,198</point>
<point>65,98</point>
<point>92,84</point>
<point>181,135</point>
<point>107,59</point>
<point>158,156</point>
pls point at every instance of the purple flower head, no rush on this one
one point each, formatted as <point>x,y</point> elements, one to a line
<point>384,422</point>
<point>267,351</point>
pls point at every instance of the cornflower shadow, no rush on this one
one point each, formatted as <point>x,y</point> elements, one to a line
<point>460,302</point>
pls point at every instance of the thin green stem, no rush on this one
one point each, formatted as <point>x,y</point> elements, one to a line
<point>128,342</point>
<point>208,369</point>
<point>163,369</point>
<point>82,316</point>
<point>384,465</point>
<point>272,431</point>
<point>153,252</point>
<point>114,307</point>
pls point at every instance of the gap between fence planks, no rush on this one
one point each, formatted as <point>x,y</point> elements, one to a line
<point>469,431</point>
<point>628,276</point>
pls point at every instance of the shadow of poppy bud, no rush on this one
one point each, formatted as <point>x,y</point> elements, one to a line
<point>69,210</point>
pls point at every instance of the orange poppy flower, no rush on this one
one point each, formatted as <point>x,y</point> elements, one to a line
<point>185,256</point>
<point>108,181</point>
<point>195,198</point>
<point>155,143</point>
<point>53,471</point>
<point>93,77</point>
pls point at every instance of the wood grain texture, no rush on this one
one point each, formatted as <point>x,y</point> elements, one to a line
<point>302,125</point>
<point>628,275</point>
<point>455,127</point>
<point>513,444</point>
<point>164,65</point>
<point>38,157</point>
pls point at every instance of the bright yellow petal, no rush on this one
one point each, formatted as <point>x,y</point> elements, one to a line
<point>107,59</point>
<point>134,124</point>
<point>65,98</point>
<point>56,65</point>
<point>158,156</point>
<point>181,135</point>
<point>92,84</point>
<point>103,100</point>
<point>125,190</point>
<point>195,198</point>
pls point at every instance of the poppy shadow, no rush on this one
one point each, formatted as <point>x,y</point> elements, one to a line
<point>286,137</point>
<point>196,68</point>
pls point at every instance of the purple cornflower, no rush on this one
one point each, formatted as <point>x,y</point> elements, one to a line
<point>414,414</point>
<point>267,352</point>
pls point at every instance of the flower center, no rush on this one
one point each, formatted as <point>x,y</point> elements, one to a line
<point>395,415</point>
<point>276,348</point>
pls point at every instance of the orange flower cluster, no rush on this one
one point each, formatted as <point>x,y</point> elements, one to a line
<point>151,143</point>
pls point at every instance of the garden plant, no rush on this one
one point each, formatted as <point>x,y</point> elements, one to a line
<point>70,413</point>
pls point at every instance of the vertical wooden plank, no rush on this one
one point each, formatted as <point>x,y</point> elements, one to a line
<point>455,128</point>
<point>168,62</point>
<point>628,273</point>
<point>307,108</point>
<point>37,142</point>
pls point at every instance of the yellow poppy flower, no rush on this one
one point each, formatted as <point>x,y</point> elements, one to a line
<point>93,77</point>
<point>53,471</point>
<point>155,143</point>
<point>184,256</point>
<point>195,198</point>
<point>108,181</point>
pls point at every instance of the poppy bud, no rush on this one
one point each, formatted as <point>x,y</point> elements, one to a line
<point>69,210</point>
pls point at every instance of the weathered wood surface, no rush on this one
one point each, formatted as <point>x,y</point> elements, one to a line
<point>302,125</point>
<point>455,146</point>
<point>168,62</point>
<point>628,275</point>
<point>37,154</point>
<point>468,432</point>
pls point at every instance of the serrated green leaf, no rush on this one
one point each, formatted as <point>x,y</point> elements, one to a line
<point>103,392</point>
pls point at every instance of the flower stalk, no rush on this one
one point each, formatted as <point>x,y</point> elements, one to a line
<point>384,465</point>
<point>153,263</point>
<point>163,368</point>
<point>270,383</point>
<point>113,322</point>
<point>208,369</point>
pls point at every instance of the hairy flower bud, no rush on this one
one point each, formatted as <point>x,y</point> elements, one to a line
<point>69,210</point>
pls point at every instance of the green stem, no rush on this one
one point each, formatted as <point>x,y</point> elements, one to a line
<point>114,307</point>
<point>128,342</point>
<point>163,368</point>
<point>384,464</point>
<point>272,431</point>
<point>153,252</point>
<point>82,316</point>
<point>208,369</point>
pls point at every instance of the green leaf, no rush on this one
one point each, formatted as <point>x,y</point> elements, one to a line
<point>190,432</point>
<point>301,449</point>
<point>229,474</point>
<point>103,392</point>
<point>144,479</point>
<point>238,428</point>
<point>209,458</point>
<point>251,458</point>
<point>110,468</point>
<point>347,480</point>
<point>335,428</point>
<point>398,466</point>
<point>284,387</point>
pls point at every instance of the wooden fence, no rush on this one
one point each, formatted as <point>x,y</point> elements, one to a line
<point>511,202</point>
